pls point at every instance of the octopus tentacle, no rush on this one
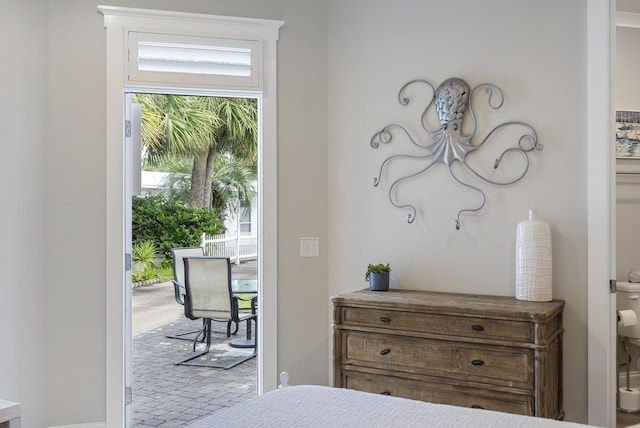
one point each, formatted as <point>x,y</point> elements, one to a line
<point>411,216</point>
<point>378,179</point>
<point>490,89</point>
<point>526,143</point>
<point>404,100</point>
<point>529,142</point>
<point>385,136</point>
<point>469,210</point>
<point>497,164</point>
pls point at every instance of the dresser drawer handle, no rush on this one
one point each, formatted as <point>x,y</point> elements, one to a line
<point>475,406</point>
<point>477,327</point>
<point>385,393</point>
<point>477,362</point>
<point>385,351</point>
<point>385,319</point>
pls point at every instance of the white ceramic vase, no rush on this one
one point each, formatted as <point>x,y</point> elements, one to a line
<point>533,260</point>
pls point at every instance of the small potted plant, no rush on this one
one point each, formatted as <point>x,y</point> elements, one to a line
<point>378,277</point>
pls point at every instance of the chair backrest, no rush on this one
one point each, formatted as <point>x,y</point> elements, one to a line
<point>208,287</point>
<point>178,254</point>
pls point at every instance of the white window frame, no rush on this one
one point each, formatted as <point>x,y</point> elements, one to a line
<point>141,77</point>
<point>118,22</point>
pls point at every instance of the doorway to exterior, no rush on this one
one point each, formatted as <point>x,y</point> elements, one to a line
<point>123,28</point>
<point>176,143</point>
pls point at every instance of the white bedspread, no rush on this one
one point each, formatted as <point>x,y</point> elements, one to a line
<point>320,407</point>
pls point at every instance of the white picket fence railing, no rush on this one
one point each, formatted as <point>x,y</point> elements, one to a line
<point>238,247</point>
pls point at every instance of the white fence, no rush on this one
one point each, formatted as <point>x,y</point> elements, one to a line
<point>238,247</point>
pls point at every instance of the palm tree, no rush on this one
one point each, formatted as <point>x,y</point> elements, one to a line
<point>233,184</point>
<point>199,128</point>
<point>236,135</point>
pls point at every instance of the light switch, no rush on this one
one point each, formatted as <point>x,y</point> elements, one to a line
<point>309,247</point>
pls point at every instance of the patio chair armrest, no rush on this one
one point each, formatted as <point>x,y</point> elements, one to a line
<point>178,290</point>
<point>254,304</point>
<point>252,299</point>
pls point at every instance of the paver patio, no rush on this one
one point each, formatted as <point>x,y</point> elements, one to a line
<point>170,396</point>
<point>166,395</point>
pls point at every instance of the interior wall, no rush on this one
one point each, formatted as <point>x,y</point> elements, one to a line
<point>75,223</point>
<point>628,6</point>
<point>75,220</point>
<point>372,48</point>
<point>375,47</point>
<point>23,26</point>
<point>627,97</point>
<point>628,186</point>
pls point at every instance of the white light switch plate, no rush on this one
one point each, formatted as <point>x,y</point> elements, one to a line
<point>309,247</point>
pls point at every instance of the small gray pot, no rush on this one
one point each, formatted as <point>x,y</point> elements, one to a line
<point>379,281</point>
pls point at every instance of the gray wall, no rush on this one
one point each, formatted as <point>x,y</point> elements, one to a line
<point>303,323</point>
<point>628,186</point>
<point>374,48</point>
<point>23,119</point>
<point>340,64</point>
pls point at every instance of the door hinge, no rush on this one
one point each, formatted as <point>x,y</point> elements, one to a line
<point>127,128</point>
<point>127,262</point>
<point>128,396</point>
<point>612,286</point>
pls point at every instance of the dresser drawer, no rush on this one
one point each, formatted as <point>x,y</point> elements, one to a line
<point>469,350</point>
<point>497,365</point>
<point>452,325</point>
<point>440,393</point>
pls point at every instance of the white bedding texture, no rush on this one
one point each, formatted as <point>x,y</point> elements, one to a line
<point>320,406</point>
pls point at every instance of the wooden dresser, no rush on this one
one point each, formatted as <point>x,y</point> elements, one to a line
<point>490,352</point>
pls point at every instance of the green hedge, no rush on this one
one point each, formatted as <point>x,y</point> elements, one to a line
<point>169,224</point>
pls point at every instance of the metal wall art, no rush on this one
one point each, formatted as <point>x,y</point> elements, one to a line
<point>448,144</point>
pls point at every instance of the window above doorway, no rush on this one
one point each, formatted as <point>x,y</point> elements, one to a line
<point>170,58</point>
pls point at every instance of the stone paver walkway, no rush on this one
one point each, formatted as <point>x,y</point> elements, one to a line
<point>170,396</point>
<point>166,395</point>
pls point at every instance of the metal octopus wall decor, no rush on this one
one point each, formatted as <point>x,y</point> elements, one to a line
<point>448,144</point>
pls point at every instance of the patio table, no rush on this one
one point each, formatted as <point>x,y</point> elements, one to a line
<point>249,286</point>
<point>244,286</point>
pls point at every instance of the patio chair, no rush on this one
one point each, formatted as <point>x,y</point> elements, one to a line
<point>177,255</point>
<point>208,295</point>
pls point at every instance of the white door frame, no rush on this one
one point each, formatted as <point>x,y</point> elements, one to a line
<point>117,22</point>
<point>601,346</point>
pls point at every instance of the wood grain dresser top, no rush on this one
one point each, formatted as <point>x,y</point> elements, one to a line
<point>451,303</point>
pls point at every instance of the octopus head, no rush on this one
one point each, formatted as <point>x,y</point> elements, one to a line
<point>451,99</point>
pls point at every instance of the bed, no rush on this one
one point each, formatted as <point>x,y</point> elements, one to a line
<point>322,406</point>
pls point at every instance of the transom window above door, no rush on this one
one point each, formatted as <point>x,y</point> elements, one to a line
<point>170,58</point>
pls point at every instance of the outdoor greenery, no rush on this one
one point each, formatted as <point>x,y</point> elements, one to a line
<point>142,258</point>
<point>170,224</point>
<point>233,184</point>
<point>162,274</point>
<point>143,253</point>
<point>208,145</point>
<point>142,275</point>
<point>200,130</point>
